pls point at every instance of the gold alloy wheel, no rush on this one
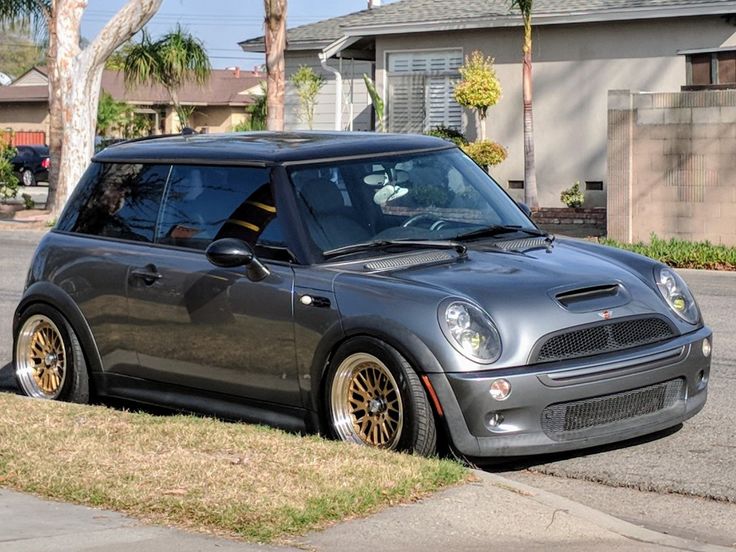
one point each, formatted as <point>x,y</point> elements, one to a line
<point>41,358</point>
<point>365,402</point>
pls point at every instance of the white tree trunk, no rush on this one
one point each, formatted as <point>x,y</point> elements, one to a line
<point>74,83</point>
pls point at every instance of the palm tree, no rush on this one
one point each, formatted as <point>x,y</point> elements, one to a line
<point>174,59</point>
<point>530,176</point>
<point>275,43</point>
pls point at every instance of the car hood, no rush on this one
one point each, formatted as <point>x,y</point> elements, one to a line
<point>536,292</point>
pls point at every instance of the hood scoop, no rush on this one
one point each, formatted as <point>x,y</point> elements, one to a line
<point>598,297</point>
<point>414,259</point>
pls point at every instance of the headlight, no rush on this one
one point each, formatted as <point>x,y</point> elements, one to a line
<point>470,331</point>
<point>675,292</point>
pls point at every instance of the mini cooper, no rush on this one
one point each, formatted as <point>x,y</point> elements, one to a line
<point>378,289</point>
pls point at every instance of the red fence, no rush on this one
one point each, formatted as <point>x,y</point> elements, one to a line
<point>23,137</point>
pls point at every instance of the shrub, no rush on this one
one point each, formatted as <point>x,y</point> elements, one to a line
<point>486,153</point>
<point>8,181</point>
<point>307,84</point>
<point>28,202</point>
<point>682,254</point>
<point>573,196</point>
<point>449,134</point>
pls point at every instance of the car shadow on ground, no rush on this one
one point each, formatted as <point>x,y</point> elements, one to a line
<point>7,378</point>
<point>519,463</point>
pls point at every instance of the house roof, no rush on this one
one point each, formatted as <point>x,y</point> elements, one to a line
<point>225,87</point>
<point>429,15</point>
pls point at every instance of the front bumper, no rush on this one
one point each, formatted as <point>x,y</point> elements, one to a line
<point>630,391</point>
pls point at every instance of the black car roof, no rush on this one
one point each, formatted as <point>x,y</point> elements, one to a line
<point>266,147</point>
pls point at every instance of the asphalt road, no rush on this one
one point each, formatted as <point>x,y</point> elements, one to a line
<point>699,459</point>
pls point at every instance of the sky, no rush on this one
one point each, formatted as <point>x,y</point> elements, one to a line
<point>220,24</point>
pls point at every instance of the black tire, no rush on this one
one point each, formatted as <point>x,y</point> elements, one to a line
<point>27,178</point>
<point>416,434</point>
<point>74,385</point>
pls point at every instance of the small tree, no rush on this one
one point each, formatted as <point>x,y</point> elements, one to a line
<point>478,88</point>
<point>110,114</point>
<point>307,84</point>
<point>376,100</point>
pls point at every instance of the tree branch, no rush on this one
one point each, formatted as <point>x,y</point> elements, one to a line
<point>120,28</point>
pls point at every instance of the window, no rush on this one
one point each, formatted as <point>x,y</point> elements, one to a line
<point>204,204</point>
<point>420,90</point>
<point>593,186</point>
<point>516,184</point>
<point>711,70</point>
<point>117,200</point>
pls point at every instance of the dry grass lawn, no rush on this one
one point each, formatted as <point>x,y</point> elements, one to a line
<point>241,480</point>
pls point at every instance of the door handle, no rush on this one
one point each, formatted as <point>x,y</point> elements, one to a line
<point>148,274</point>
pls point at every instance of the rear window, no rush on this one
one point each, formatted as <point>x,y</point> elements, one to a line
<point>117,200</point>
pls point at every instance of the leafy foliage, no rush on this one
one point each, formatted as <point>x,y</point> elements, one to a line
<point>110,113</point>
<point>174,59</point>
<point>682,254</point>
<point>18,50</point>
<point>307,84</point>
<point>573,196</point>
<point>486,153</point>
<point>8,181</point>
<point>449,134</point>
<point>479,87</point>
<point>257,113</point>
<point>378,104</point>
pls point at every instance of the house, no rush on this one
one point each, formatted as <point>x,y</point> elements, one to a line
<point>581,51</point>
<point>219,105</point>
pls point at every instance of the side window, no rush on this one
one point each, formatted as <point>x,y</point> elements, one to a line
<point>206,203</point>
<point>117,200</point>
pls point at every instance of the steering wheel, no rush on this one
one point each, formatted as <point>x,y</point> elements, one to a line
<point>436,225</point>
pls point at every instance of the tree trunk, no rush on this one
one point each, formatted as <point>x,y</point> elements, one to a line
<point>74,87</point>
<point>530,176</point>
<point>481,121</point>
<point>275,42</point>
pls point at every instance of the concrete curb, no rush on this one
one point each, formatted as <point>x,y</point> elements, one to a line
<point>601,519</point>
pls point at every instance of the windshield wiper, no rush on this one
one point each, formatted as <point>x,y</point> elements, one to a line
<point>498,229</point>
<point>381,244</point>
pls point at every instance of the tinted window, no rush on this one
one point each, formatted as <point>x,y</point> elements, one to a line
<point>117,200</point>
<point>208,203</point>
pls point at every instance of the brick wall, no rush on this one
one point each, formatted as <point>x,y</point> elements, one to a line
<point>672,165</point>
<point>580,223</point>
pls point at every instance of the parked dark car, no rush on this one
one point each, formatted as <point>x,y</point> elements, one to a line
<point>375,288</point>
<point>31,164</point>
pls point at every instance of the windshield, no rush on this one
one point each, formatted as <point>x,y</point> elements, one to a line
<point>430,196</point>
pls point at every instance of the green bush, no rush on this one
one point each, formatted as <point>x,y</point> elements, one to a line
<point>486,153</point>
<point>682,254</point>
<point>573,196</point>
<point>8,181</point>
<point>449,134</point>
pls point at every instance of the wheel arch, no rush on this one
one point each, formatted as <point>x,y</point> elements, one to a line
<point>55,297</point>
<point>410,346</point>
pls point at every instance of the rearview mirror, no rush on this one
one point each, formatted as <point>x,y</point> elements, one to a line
<point>232,253</point>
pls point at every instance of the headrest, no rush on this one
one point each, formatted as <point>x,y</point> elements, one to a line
<point>322,196</point>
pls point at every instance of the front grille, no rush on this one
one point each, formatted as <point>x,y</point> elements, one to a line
<point>603,338</point>
<point>565,421</point>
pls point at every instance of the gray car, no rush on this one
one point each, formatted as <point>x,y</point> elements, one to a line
<point>379,289</point>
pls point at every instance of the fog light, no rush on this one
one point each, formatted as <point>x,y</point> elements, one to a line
<point>706,347</point>
<point>495,419</point>
<point>500,389</point>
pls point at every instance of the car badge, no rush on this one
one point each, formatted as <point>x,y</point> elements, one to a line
<point>606,314</point>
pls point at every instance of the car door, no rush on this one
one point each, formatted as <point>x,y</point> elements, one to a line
<point>209,328</point>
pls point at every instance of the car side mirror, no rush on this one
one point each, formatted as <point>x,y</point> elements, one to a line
<point>524,207</point>
<point>232,253</point>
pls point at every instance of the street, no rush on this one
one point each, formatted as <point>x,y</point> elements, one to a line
<point>691,470</point>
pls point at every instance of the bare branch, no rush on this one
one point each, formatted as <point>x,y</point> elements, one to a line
<point>123,25</point>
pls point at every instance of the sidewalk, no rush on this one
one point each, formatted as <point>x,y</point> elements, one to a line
<point>492,513</point>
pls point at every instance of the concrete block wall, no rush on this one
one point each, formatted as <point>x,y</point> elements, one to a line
<point>672,165</point>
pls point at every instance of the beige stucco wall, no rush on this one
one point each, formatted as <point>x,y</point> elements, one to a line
<point>574,67</point>
<point>24,116</point>
<point>217,118</point>
<point>671,166</point>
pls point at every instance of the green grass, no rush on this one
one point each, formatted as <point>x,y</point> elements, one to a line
<point>202,474</point>
<point>683,254</point>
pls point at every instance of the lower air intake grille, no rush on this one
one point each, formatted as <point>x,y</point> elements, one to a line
<point>603,338</point>
<point>565,421</point>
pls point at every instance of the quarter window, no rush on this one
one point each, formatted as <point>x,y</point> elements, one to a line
<point>117,200</point>
<point>206,203</point>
